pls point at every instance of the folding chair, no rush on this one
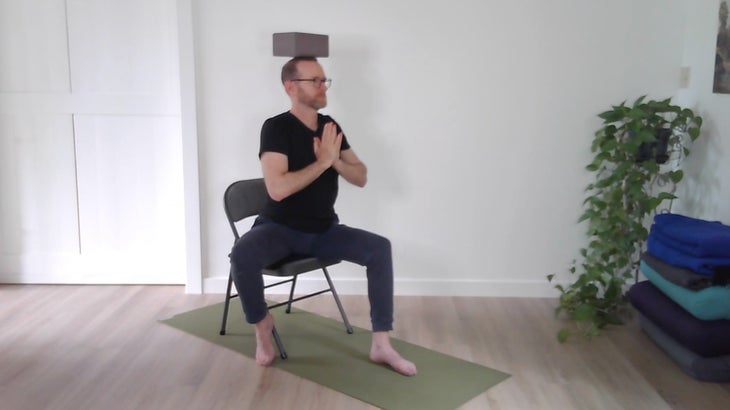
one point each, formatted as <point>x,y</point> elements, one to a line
<point>244,199</point>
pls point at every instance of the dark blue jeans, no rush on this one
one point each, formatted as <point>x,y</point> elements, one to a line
<point>268,242</point>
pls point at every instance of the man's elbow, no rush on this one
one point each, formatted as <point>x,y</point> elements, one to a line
<point>276,197</point>
<point>279,195</point>
<point>360,180</point>
<point>276,193</point>
<point>364,177</point>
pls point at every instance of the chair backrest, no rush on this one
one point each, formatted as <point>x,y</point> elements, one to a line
<point>243,199</point>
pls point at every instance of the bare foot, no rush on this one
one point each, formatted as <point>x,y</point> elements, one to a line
<point>265,352</point>
<point>382,352</point>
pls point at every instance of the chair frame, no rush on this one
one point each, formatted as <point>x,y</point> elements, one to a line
<point>290,267</point>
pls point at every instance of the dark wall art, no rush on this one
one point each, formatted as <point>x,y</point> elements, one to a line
<point>721,84</point>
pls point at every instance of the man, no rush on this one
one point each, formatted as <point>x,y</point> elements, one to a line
<point>303,154</point>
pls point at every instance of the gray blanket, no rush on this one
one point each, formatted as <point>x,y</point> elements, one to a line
<point>682,276</point>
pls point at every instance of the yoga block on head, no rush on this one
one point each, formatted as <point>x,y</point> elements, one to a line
<point>301,45</point>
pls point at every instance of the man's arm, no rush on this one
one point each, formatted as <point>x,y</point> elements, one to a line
<point>280,183</point>
<point>351,168</point>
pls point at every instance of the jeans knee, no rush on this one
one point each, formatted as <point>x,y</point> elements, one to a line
<point>244,259</point>
<point>235,255</point>
<point>383,244</point>
<point>380,249</point>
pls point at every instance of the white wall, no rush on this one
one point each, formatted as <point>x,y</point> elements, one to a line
<point>474,117</point>
<point>706,193</point>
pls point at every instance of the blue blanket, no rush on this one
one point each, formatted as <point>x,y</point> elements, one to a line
<point>706,265</point>
<point>692,236</point>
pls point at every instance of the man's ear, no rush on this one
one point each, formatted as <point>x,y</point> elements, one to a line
<point>289,87</point>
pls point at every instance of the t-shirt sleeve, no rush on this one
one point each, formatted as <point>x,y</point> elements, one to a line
<point>345,145</point>
<point>272,139</point>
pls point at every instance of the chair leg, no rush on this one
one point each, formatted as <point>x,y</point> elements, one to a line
<point>279,344</point>
<point>291,293</point>
<point>337,300</point>
<point>226,306</point>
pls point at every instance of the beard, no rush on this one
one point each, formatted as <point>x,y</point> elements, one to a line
<point>316,101</point>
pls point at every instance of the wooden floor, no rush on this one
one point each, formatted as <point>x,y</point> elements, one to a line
<point>101,347</point>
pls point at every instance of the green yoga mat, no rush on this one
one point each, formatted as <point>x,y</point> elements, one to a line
<point>320,350</point>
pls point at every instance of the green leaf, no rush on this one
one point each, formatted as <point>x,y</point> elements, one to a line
<point>630,147</point>
<point>666,195</point>
<point>651,203</point>
<point>694,133</point>
<point>639,101</point>
<point>550,277</point>
<point>588,214</point>
<point>584,312</point>
<point>637,113</point>
<point>676,176</point>
<point>598,204</point>
<point>622,168</point>
<point>611,116</point>
<point>645,136</point>
<point>664,103</point>
<point>605,182</point>
<point>609,145</point>
<point>563,334</point>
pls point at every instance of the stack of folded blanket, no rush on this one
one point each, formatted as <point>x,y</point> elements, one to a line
<point>684,306</point>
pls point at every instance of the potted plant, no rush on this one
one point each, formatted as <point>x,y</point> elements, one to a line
<point>629,187</point>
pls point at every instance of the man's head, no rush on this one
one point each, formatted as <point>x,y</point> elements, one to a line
<point>305,82</point>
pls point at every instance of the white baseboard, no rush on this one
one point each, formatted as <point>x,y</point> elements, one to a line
<point>82,279</point>
<point>413,287</point>
<point>76,269</point>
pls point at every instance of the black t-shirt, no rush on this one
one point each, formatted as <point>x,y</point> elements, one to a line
<point>313,208</point>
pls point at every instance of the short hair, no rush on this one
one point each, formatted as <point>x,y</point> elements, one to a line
<point>289,70</point>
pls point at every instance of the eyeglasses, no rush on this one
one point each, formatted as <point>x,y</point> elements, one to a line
<point>317,82</point>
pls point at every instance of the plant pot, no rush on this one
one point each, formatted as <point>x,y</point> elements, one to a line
<point>656,149</point>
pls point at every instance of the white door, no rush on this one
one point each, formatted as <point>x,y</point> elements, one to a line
<point>91,173</point>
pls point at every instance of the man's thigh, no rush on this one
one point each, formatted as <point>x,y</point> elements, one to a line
<point>266,243</point>
<point>350,244</point>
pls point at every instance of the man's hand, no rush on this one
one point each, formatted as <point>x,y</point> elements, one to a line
<point>327,147</point>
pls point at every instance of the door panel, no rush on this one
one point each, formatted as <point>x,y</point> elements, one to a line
<point>91,181</point>
<point>38,177</point>
<point>130,195</point>
<point>124,47</point>
<point>33,46</point>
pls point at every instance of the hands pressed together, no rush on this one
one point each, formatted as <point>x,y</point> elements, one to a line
<point>327,147</point>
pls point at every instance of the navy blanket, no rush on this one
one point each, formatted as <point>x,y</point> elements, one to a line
<point>707,338</point>
<point>709,369</point>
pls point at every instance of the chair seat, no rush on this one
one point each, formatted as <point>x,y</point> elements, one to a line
<point>296,264</point>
